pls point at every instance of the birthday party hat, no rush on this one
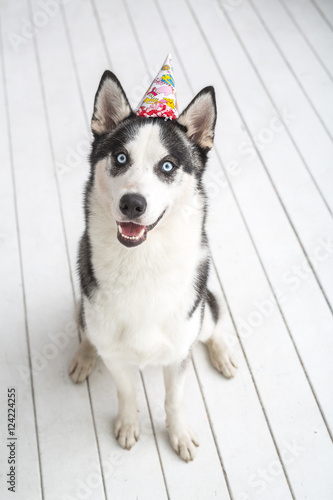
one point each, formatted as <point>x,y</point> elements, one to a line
<point>161,98</point>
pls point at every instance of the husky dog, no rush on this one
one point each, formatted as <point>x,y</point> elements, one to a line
<point>144,256</point>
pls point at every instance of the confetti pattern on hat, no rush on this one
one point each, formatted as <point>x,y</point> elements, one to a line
<point>161,98</point>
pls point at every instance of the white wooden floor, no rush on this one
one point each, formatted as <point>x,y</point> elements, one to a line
<point>267,434</point>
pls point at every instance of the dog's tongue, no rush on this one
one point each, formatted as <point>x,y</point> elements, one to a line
<point>131,229</point>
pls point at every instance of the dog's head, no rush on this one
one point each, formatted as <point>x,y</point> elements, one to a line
<point>145,167</point>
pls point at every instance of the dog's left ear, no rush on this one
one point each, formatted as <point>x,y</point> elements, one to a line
<point>111,104</point>
<point>199,118</point>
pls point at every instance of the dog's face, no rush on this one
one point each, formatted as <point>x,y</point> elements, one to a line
<point>144,168</point>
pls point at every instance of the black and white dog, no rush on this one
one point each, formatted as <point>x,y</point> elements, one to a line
<point>144,257</point>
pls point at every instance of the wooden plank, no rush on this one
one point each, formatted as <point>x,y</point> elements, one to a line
<point>283,162</point>
<point>225,400</point>
<point>314,29</point>
<point>14,352</point>
<point>65,429</point>
<point>202,478</point>
<point>80,19</point>
<point>281,249</point>
<point>128,474</point>
<point>325,7</point>
<point>124,477</point>
<point>122,47</point>
<point>271,70</point>
<point>273,364</point>
<point>269,343</point>
<point>301,61</point>
<point>238,421</point>
<point>70,139</point>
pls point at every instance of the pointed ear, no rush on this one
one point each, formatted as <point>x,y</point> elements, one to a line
<point>200,117</point>
<point>111,104</point>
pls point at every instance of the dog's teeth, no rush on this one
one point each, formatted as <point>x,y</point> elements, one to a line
<point>120,230</point>
<point>132,237</point>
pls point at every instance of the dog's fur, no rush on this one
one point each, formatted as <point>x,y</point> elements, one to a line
<point>148,304</point>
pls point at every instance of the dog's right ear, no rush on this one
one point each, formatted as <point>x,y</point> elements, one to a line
<point>199,118</point>
<point>111,105</point>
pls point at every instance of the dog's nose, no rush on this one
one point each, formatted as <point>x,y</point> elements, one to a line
<point>132,205</point>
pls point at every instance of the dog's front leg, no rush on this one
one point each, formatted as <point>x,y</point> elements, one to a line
<point>183,440</point>
<point>83,362</point>
<point>127,427</point>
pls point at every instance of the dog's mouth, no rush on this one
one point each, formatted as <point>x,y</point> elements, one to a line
<point>131,234</point>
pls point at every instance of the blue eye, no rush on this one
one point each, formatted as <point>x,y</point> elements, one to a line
<point>122,158</point>
<point>167,167</point>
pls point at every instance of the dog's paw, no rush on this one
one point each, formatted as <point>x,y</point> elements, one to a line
<point>127,432</point>
<point>223,359</point>
<point>184,442</point>
<point>82,365</point>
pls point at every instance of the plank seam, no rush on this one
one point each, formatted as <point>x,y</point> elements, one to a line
<point>46,116</point>
<point>306,39</point>
<point>277,303</point>
<point>256,388</point>
<point>76,73</point>
<point>85,118</point>
<point>46,113</point>
<point>154,434</point>
<point>101,32</point>
<point>17,223</point>
<point>264,25</point>
<point>252,240</point>
<point>273,105</point>
<point>321,13</point>
<point>259,154</point>
<point>212,429</point>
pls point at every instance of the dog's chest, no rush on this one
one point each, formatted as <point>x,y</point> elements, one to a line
<point>140,314</point>
<point>139,333</point>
